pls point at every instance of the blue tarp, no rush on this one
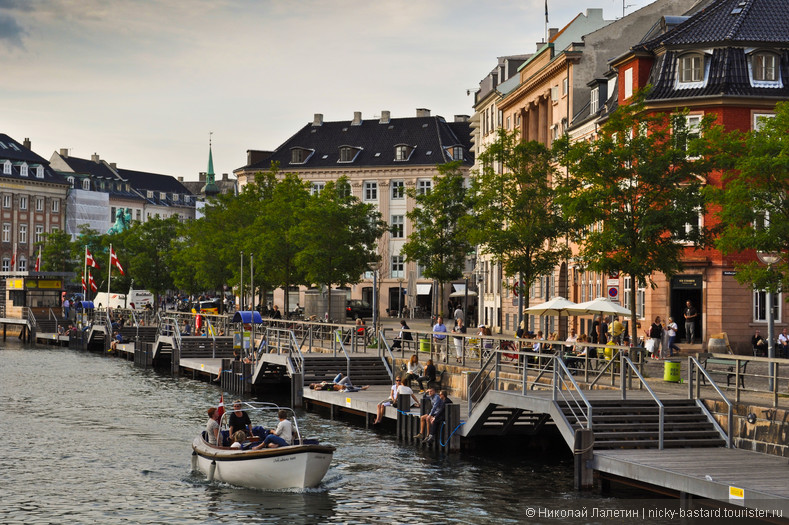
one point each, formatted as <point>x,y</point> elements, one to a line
<point>247,317</point>
<point>87,305</point>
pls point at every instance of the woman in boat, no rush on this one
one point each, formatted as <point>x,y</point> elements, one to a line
<point>212,427</point>
<point>238,439</point>
<point>239,420</point>
<point>282,436</point>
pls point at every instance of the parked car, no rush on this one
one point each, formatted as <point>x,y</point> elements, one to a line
<point>356,308</point>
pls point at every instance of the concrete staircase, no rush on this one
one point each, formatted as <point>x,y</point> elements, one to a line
<point>364,370</point>
<point>631,424</point>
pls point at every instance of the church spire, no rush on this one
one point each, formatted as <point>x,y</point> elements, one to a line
<point>210,187</point>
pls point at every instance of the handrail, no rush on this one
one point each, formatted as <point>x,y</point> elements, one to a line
<point>298,360</point>
<point>624,360</point>
<point>212,333</point>
<point>557,390</point>
<point>31,318</point>
<point>477,380</point>
<point>347,357</point>
<point>381,337</point>
<point>694,365</point>
<point>52,315</point>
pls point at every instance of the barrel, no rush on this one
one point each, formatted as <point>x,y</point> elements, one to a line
<point>424,345</point>
<point>717,346</point>
<point>671,371</point>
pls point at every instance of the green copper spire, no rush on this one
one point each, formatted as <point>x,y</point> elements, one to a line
<point>210,187</point>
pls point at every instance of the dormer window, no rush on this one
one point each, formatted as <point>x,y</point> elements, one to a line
<point>300,155</point>
<point>348,153</point>
<point>149,194</point>
<point>690,71</point>
<point>23,168</point>
<point>594,101</point>
<point>71,181</point>
<point>175,197</point>
<point>7,167</point>
<point>764,69</point>
<point>86,184</point>
<point>39,172</point>
<point>455,152</point>
<point>403,152</point>
<point>13,146</point>
<point>162,195</point>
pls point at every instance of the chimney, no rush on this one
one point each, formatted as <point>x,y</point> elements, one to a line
<point>95,158</point>
<point>552,32</point>
<point>357,118</point>
<point>26,143</point>
<point>318,119</point>
<point>225,177</point>
<point>180,179</point>
<point>114,166</point>
<point>64,152</point>
<point>201,177</point>
<point>422,112</point>
<point>461,118</point>
<point>385,117</point>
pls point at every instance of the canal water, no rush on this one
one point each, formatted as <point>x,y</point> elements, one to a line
<point>92,439</point>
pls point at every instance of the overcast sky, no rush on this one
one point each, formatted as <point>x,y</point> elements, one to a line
<point>143,82</point>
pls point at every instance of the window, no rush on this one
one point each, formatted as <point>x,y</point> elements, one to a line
<point>692,131</point>
<point>423,186</point>
<point>86,184</point>
<point>162,195</point>
<point>397,266</point>
<point>402,152</point>
<point>300,155</point>
<point>371,191</point>
<point>113,210</point>
<point>7,167</point>
<point>455,152</point>
<point>760,306</point>
<point>398,189</point>
<point>765,67</point>
<point>397,227</point>
<point>317,187</point>
<point>39,204</point>
<point>594,101</point>
<point>347,154</point>
<point>149,194</point>
<point>22,262</point>
<point>14,146</point>
<point>6,265</point>
<point>39,233</point>
<point>138,215</point>
<point>23,234</point>
<point>23,169</point>
<point>55,205</point>
<point>628,82</point>
<point>7,201</point>
<point>565,86</point>
<point>39,172</point>
<point>23,202</point>
<point>759,119</point>
<point>6,232</point>
<point>71,181</point>
<point>691,69</point>
<point>693,228</point>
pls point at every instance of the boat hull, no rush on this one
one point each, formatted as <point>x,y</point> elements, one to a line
<point>297,466</point>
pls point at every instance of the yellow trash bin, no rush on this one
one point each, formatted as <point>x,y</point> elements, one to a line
<point>424,345</point>
<point>671,371</point>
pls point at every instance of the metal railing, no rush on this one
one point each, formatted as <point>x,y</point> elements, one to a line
<point>695,370</point>
<point>570,393</point>
<point>753,371</point>
<point>626,369</point>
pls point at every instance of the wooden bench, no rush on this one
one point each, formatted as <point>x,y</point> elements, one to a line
<point>728,364</point>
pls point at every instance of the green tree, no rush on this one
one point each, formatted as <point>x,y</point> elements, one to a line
<point>440,240</point>
<point>276,239</point>
<point>634,194</point>
<point>56,253</point>
<point>148,254</point>
<point>516,217</point>
<point>753,202</point>
<point>339,233</point>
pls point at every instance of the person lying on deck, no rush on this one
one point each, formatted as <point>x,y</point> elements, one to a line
<point>340,384</point>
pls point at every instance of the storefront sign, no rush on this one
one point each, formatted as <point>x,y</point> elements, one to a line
<point>686,282</point>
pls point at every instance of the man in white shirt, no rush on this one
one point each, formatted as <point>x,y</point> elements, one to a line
<point>783,344</point>
<point>282,435</point>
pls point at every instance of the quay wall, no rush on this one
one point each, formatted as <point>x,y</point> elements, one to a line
<point>768,434</point>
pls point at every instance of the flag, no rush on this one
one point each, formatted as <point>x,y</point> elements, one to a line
<point>38,260</point>
<point>84,288</point>
<point>93,286</point>
<point>13,259</point>
<point>89,260</point>
<point>221,408</point>
<point>546,11</point>
<point>115,262</point>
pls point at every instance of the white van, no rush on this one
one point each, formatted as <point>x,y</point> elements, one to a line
<point>139,299</point>
<point>115,300</point>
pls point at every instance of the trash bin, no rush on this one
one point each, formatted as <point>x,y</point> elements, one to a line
<point>424,345</point>
<point>671,371</point>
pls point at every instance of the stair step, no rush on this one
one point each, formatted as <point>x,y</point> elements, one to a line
<point>647,435</point>
<point>690,443</point>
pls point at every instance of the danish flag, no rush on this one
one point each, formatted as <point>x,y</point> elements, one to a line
<point>93,286</point>
<point>115,262</point>
<point>84,288</point>
<point>38,260</point>
<point>89,260</point>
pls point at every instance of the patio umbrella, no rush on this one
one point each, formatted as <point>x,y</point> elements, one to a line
<point>601,305</point>
<point>556,306</point>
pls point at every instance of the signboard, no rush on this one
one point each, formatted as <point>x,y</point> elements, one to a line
<point>736,494</point>
<point>15,284</point>
<point>613,292</point>
<point>686,282</point>
<point>729,273</point>
<point>612,282</point>
<point>614,274</point>
<point>43,284</point>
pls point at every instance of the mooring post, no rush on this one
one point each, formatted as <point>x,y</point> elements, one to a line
<point>296,390</point>
<point>403,415</point>
<point>582,456</point>
<point>451,424</point>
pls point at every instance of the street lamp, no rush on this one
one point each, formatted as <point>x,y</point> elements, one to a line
<point>374,265</point>
<point>770,258</point>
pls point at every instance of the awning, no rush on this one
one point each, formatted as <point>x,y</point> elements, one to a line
<point>423,289</point>
<point>462,293</point>
<point>247,317</point>
<point>459,288</point>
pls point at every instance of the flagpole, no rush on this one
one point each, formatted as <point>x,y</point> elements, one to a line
<point>109,275</point>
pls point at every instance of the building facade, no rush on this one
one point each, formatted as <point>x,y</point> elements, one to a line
<point>381,157</point>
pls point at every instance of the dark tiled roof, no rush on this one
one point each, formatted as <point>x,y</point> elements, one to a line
<point>100,174</point>
<point>17,153</point>
<point>377,141</point>
<point>728,76</point>
<point>731,22</point>
<point>90,167</point>
<point>143,182</point>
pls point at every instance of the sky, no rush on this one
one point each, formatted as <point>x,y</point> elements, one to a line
<point>144,83</point>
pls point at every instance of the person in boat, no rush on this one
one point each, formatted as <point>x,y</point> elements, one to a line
<point>239,420</point>
<point>238,439</point>
<point>282,436</point>
<point>212,426</point>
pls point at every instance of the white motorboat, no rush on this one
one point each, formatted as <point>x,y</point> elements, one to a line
<point>301,465</point>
